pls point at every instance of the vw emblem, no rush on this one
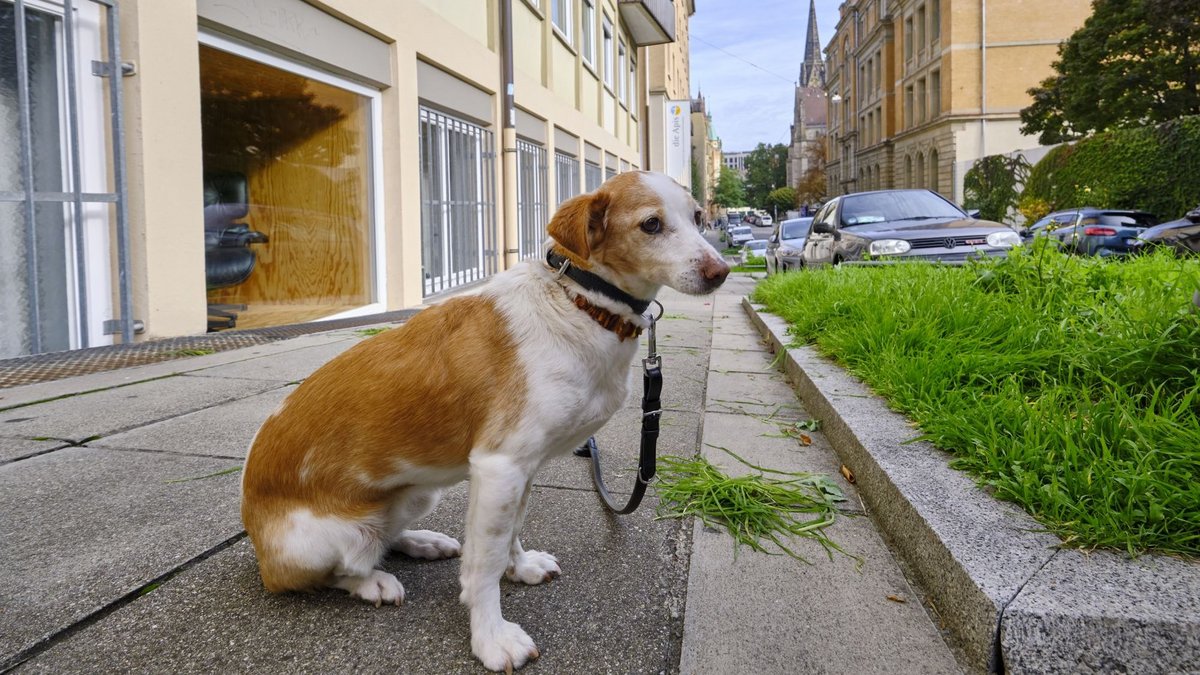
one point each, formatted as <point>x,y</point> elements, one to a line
<point>949,242</point>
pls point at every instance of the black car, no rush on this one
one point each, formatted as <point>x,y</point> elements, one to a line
<point>1181,236</point>
<point>901,224</point>
<point>1095,231</point>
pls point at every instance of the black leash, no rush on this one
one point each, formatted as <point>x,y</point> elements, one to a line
<point>651,412</point>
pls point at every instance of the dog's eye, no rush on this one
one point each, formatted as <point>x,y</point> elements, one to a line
<point>652,225</point>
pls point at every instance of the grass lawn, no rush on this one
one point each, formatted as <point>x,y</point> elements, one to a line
<point>1067,385</point>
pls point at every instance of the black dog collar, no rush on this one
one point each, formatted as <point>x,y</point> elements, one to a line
<point>593,282</point>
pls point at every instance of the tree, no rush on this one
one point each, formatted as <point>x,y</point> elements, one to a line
<point>813,185</point>
<point>1133,63</point>
<point>994,184</point>
<point>729,190</point>
<point>766,170</point>
<point>781,200</point>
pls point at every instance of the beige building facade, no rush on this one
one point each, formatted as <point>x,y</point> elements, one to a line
<point>921,89</point>
<point>705,155</point>
<point>668,79</point>
<point>289,161</point>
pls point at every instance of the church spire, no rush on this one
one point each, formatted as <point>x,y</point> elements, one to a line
<point>812,71</point>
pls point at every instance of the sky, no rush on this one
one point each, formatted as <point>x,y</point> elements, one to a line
<point>745,59</point>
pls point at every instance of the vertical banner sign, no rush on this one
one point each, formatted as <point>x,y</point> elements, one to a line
<point>679,141</point>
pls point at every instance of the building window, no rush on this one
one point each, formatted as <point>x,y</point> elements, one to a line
<point>621,85</point>
<point>908,107</point>
<point>935,93</point>
<point>879,123</point>
<point>587,33</point>
<point>920,37</point>
<point>935,20</point>
<point>878,179</point>
<point>920,101</point>
<point>606,44</point>
<point>566,176</point>
<point>920,170</point>
<point>288,161</point>
<point>933,171</point>
<point>458,170</point>
<point>879,72</point>
<point>633,86</point>
<point>908,39</point>
<point>609,172</point>
<point>908,175</point>
<point>560,16</point>
<point>591,176</point>
<point>531,198</point>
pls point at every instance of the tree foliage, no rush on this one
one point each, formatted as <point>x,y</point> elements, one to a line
<point>813,185</point>
<point>729,191</point>
<point>993,185</point>
<point>781,200</point>
<point>1134,62</point>
<point>766,170</point>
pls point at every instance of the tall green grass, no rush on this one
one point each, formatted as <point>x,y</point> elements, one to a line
<point>1067,385</point>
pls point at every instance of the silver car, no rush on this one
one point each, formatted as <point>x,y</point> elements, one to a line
<point>786,244</point>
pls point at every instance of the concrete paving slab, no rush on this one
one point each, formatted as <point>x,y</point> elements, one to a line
<point>761,394</point>
<point>742,361</point>
<point>223,430</point>
<point>104,412</point>
<point>73,386</point>
<point>12,449</point>
<point>1101,612</point>
<point>83,527</point>
<point>685,374</point>
<point>616,609</point>
<point>292,366</point>
<point>769,615</point>
<point>685,332</point>
<point>736,341</point>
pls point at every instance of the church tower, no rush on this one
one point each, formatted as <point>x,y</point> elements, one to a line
<point>808,125</point>
<point>812,71</point>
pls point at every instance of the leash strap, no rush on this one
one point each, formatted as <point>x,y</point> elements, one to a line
<point>651,414</point>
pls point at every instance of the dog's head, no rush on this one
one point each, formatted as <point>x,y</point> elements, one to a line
<point>640,231</point>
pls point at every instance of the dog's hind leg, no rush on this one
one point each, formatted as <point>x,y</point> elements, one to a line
<point>410,506</point>
<point>497,484</point>
<point>528,567</point>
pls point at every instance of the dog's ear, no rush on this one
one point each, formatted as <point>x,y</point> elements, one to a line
<point>578,225</point>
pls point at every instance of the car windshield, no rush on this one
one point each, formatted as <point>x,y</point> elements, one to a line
<point>741,230</point>
<point>1126,220</point>
<point>756,244</point>
<point>879,207</point>
<point>795,229</point>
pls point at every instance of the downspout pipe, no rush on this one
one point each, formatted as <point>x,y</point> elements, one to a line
<point>982,78</point>
<point>508,140</point>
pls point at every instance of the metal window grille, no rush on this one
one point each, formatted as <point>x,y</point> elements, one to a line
<point>50,197</point>
<point>458,208</point>
<point>566,172</point>
<point>591,176</point>
<point>531,198</point>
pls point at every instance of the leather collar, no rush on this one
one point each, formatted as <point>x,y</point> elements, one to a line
<point>593,282</point>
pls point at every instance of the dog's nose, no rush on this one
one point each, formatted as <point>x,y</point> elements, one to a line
<point>714,270</point>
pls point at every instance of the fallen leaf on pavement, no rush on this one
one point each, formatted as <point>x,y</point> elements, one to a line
<point>896,598</point>
<point>848,474</point>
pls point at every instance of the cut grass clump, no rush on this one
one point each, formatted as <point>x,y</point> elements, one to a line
<point>755,509</point>
<point>1067,385</point>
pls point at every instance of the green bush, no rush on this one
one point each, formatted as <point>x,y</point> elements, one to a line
<point>993,185</point>
<point>1155,169</point>
<point>1065,384</point>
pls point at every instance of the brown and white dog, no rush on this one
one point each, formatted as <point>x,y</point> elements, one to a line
<point>488,386</point>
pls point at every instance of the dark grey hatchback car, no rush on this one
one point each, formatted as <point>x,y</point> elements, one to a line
<point>901,225</point>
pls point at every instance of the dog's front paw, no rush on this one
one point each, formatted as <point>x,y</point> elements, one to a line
<point>503,647</point>
<point>377,587</point>
<point>533,568</point>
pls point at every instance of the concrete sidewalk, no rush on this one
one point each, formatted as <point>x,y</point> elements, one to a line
<point>121,546</point>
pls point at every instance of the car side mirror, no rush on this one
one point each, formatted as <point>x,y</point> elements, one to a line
<point>822,228</point>
<point>973,213</point>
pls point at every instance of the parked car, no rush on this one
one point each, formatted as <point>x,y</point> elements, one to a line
<point>786,244</point>
<point>767,220</point>
<point>740,235</point>
<point>901,224</point>
<point>1182,236</point>
<point>1095,231</point>
<point>752,219</point>
<point>757,247</point>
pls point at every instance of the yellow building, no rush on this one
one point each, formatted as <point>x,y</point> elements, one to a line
<point>705,155</point>
<point>921,89</point>
<point>281,161</point>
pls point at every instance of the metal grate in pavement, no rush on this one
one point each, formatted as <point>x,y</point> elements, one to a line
<point>57,365</point>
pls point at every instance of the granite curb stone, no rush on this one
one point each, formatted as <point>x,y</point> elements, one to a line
<point>1014,601</point>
